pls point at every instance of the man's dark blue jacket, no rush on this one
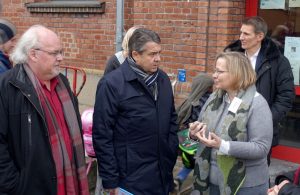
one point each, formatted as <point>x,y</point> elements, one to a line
<point>135,136</point>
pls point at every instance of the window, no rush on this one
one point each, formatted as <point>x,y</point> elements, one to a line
<point>67,6</point>
<point>285,31</point>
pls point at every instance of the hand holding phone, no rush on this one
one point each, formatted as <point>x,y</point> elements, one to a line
<point>195,127</point>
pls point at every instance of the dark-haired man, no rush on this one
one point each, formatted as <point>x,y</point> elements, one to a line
<point>134,124</point>
<point>275,81</point>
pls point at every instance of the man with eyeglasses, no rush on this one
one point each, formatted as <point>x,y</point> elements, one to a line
<point>40,128</point>
<point>275,80</point>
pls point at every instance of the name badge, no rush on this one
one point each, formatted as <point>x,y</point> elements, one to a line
<point>235,104</point>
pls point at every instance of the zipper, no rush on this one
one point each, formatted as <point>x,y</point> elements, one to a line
<point>44,121</point>
<point>27,96</point>
<point>29,129</point>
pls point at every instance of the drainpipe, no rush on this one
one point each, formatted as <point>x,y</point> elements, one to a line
<point>119,24</point>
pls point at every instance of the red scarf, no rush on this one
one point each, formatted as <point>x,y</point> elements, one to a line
<point>71,173</point>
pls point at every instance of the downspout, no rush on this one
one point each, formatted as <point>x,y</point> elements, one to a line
<point>207,33</point>
<point>119,24</point>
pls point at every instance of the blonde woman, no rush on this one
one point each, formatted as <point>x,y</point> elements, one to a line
<point>234,131</point>
<point>118,58</point>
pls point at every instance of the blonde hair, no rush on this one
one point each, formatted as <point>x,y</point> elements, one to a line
<point>240,68</point>
<point>126,38</point>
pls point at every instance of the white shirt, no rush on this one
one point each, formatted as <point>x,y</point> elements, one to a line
<point>253,58</point>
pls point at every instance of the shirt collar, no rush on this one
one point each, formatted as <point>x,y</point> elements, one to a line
<point>253,58</point>
<point>254,55</point>
<point>53,84</point>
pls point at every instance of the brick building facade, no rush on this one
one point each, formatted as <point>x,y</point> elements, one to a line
<point>192,31</point>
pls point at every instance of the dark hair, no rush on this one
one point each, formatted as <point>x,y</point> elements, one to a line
<point>258,23</point>
<point>139,38</point>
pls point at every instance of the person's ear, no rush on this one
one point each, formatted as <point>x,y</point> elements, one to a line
<point>135,55</point>
<point>32,54</point>
<point>260,36</point>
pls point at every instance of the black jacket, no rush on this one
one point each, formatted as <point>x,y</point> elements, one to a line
<point>26,162</point>
<point>112,64</point>
<point>275,81</point>
<point>289,188</point>
<point>135,136</point>
<point>5,64</point>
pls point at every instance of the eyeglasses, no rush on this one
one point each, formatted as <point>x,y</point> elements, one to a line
<point>52,53</point>
<point>218,72</point>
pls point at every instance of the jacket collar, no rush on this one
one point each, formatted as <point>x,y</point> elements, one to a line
<point>129,74</point>
<point>268,48</point>
<point>22,82</point>
<point>268,51</point>
<point>20,78</point>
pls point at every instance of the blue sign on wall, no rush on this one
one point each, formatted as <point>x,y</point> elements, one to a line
<point>181,75</point>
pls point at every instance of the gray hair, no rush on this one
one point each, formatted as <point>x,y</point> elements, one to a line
<point>139,38</point>
<point>258,23</point>
<point>29,40</point>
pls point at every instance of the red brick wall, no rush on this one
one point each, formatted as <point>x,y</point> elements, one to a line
<point>88,39</point>
<point>192,32</point>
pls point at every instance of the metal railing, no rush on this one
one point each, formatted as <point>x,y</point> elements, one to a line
<point>72,74</point>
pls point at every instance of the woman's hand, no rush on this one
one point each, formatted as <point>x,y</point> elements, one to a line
<point>212,140</point>
<point>195,127</point>
<point>275,189</point>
